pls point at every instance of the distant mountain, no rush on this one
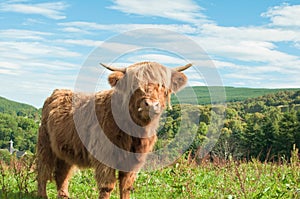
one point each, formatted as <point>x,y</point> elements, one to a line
<point>16,108</point>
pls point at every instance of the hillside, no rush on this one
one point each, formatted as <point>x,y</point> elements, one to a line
<point>16,108</point>
<point>233,94</point>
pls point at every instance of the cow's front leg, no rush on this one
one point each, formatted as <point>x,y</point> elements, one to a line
<point>106,180</point>
<point>126,183</point>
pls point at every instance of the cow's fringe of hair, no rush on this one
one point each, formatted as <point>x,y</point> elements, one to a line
<point>141,74</point>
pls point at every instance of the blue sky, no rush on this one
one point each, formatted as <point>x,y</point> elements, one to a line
<point>44,44</point>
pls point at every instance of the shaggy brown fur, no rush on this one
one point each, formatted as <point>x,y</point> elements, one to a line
<point>70,135</point>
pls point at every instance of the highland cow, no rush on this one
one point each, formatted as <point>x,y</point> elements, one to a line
<point>110,131</point>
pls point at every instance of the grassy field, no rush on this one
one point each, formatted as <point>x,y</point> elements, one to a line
<point>181,180</point>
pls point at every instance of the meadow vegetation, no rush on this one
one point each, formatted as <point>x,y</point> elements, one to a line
<point>185,179</point>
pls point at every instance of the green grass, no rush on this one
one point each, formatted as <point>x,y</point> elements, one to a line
<point>251,180</point>
<point>181,180</point>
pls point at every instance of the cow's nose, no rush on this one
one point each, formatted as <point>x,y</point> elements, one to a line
<point>152,105</point>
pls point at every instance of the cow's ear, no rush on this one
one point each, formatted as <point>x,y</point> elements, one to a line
<point>178,81</point>
<point>114,78</point>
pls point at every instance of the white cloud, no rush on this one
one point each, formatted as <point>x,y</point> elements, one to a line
<point>284,15</point>
<point>224,64</point>
<point>51,10</point>
<point>85,25</point>
<point>264,75</point>
<point>89,27</point>
<point>17,34</point>
<point>163,59</point>
<point>245,45</point>
<point>239,49</point>
<point>80,42</point>
<point>75,30</point>
<point>116,48</point>
<point>181,10</point>
<point>9,65</point>
<point>8,72</point>
<point>257,33</point>
<point>22,50</point>
<point>32,21</point>
<point>297,45</point>
<point>242,76</point>
<point>9,68</point>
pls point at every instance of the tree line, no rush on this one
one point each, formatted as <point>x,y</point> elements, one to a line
<point>265,127</point>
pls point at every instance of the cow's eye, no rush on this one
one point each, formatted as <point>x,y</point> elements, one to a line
<point>146,90</point>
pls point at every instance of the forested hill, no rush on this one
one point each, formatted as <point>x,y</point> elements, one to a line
<point>18,122</point>
<point>18,109</point>
<point>264,127</point>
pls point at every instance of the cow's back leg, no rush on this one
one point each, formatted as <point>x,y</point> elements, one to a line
<point>106,180</point>
<point>45,161</point>
<point>62,174</point>
<point>126,183</point>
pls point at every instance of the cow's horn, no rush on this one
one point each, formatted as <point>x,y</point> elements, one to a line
<point>182,68</point>
<point>123,70</point>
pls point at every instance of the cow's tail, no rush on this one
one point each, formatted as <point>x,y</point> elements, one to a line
<point>45,160</point>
